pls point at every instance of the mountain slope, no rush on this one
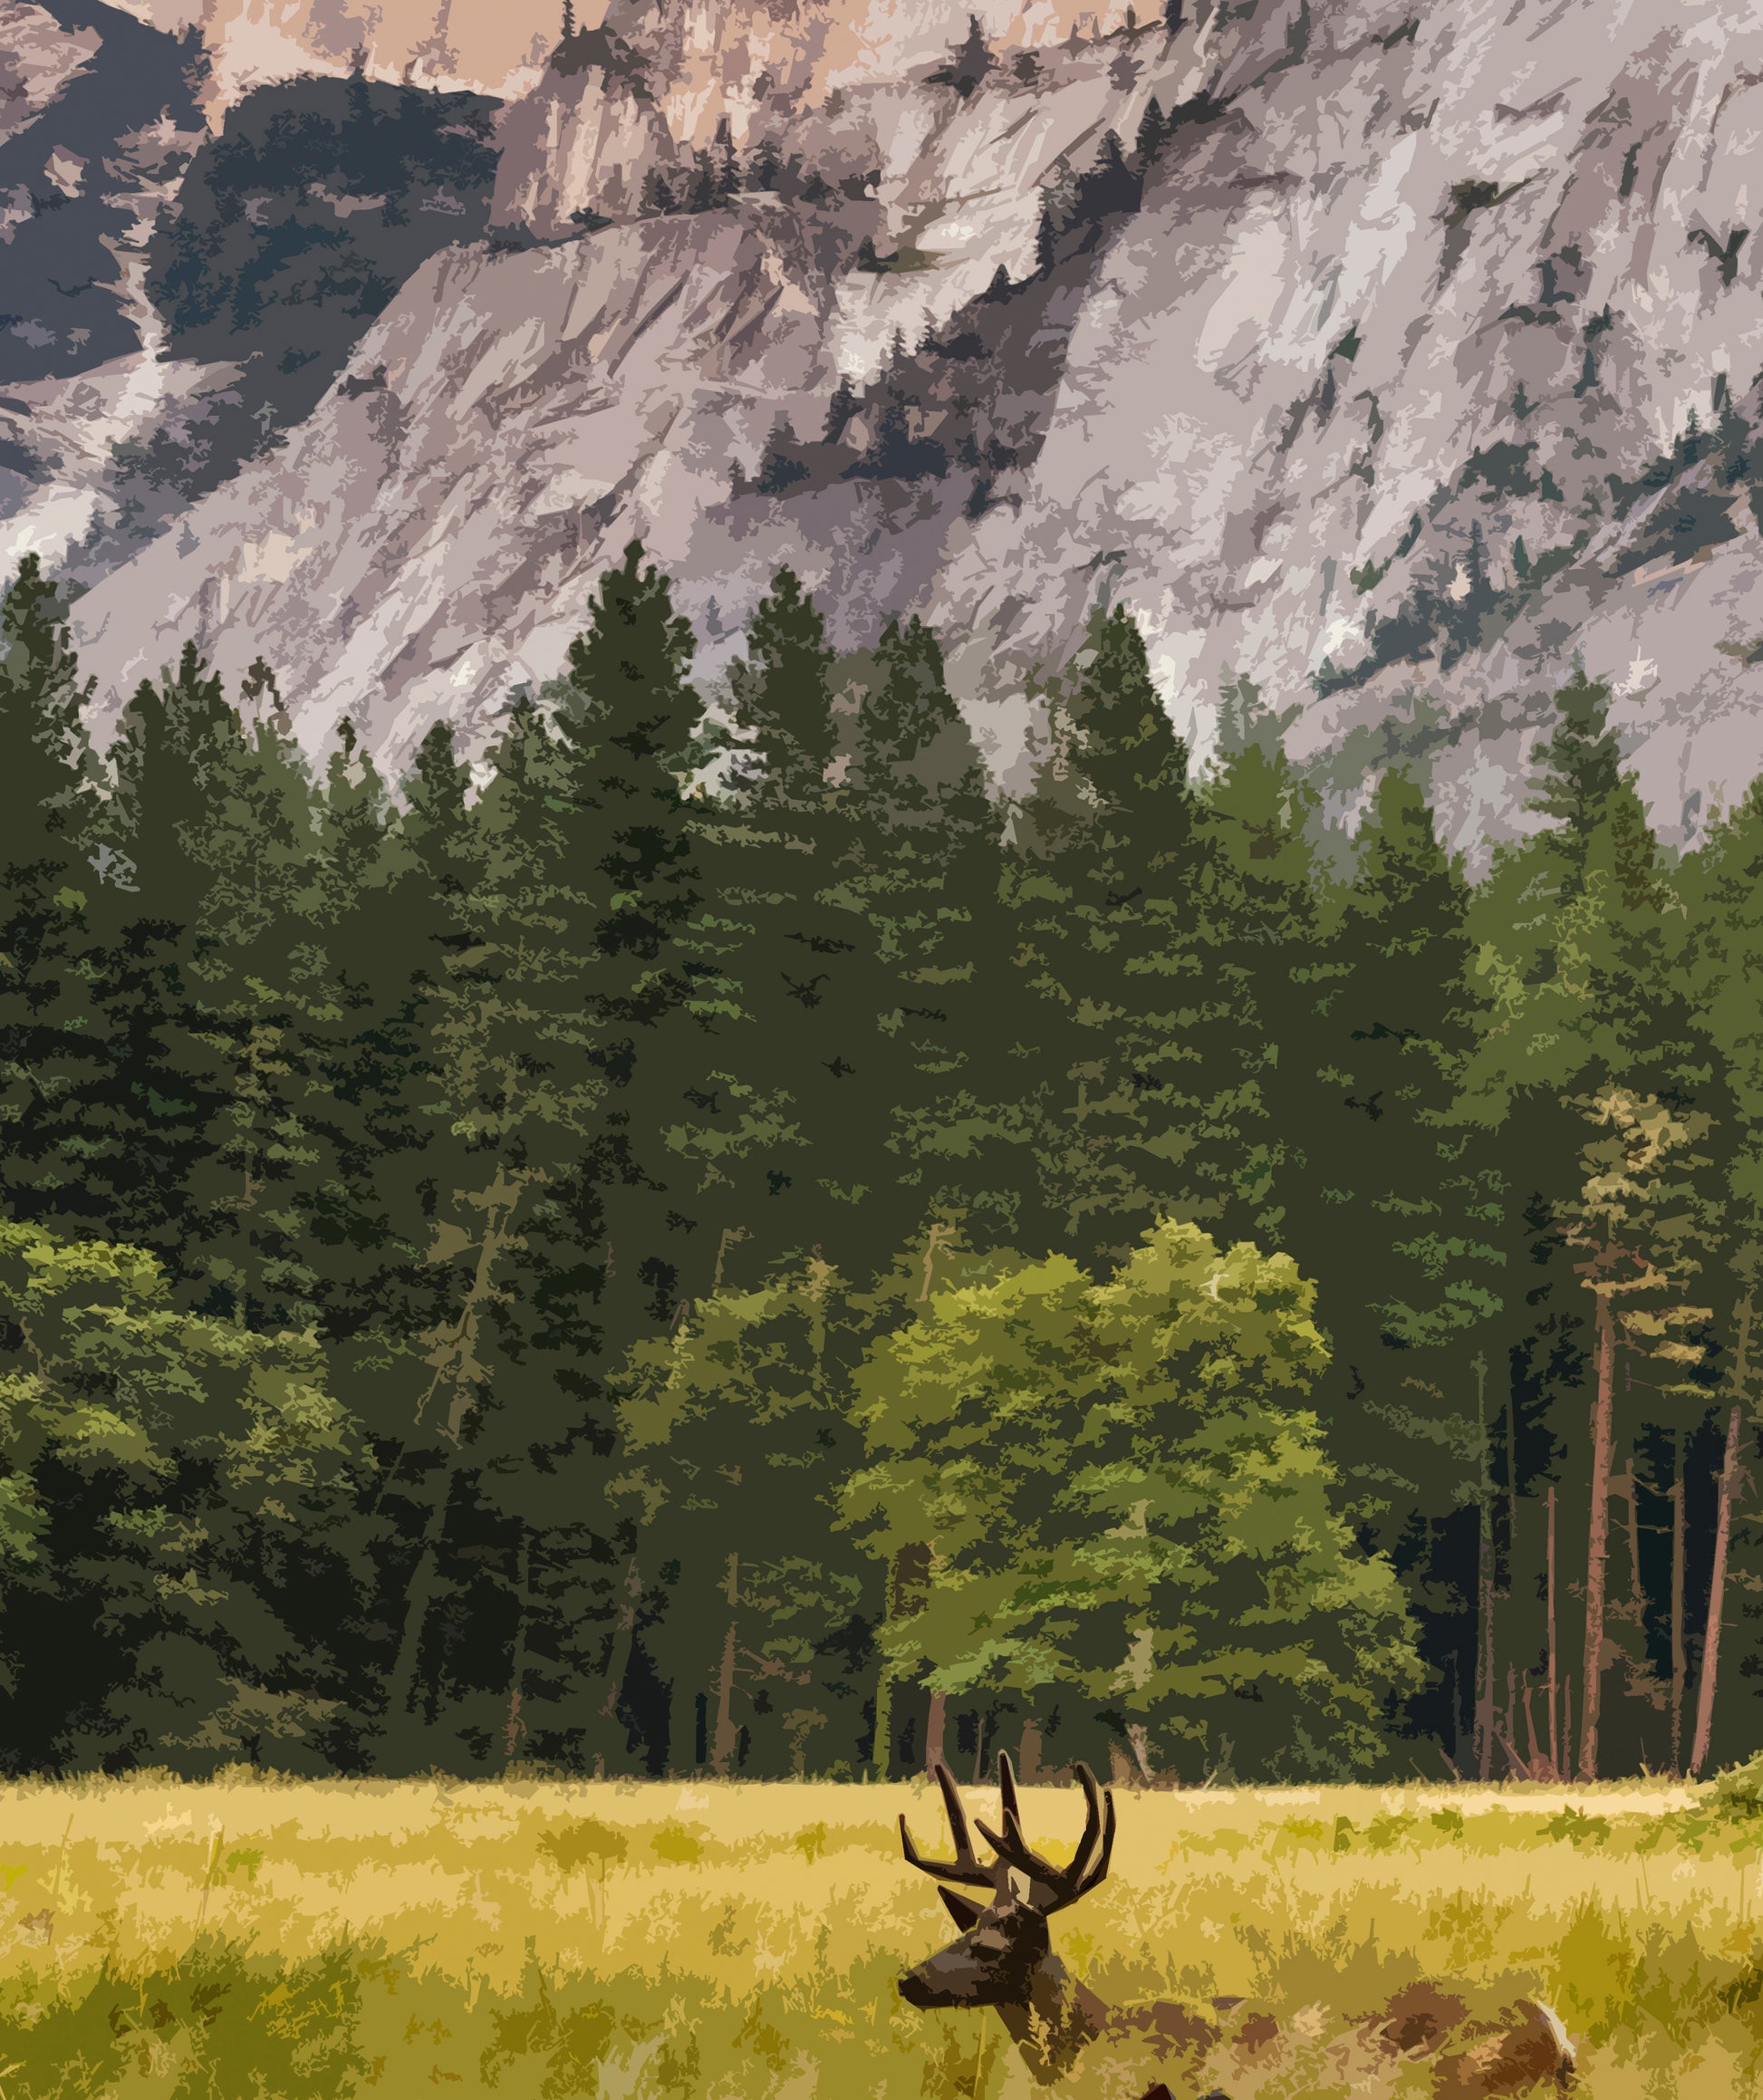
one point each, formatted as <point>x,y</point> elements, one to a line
<point>1370,400</point>
<point>97,121</point>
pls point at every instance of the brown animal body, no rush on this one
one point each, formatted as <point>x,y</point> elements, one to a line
<point>1004,1959</point>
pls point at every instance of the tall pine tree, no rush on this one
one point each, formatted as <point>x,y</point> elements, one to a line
<point>45,881</point>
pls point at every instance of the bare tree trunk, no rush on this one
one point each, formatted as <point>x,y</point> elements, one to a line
<point>1566,1723</point>
<point>732,1236</point>
<point>621,1646</point>
<point>935,1728</point>
<point>1028,1756</point>
<point>454,1351</point>
<point>1597,1548</point>
<point>906,1575</point>
<point>1139,1736</point>
<point>882,1752</point>
<point>1637,1595</point>
<point>401,1684</point>
<point>1710,1649</point>
<point>1484,1668</point>
<point>1554,1685</point>
<point>934,1240</point>
<point>1679,1659</point>
<point>725,1741</point>
<point>516,1727</point>
<point>453,1358</point>
<point>1484,1698</point>
<point>400,1687</point>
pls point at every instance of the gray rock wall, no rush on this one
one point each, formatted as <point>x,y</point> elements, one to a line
<point>1360,404</point>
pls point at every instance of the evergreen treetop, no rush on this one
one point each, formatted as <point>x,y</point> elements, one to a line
<point>631,721</point>
<point>49,766</point>
<point>915,758</point>
<point>1580,764</point>
<point>782,700</point>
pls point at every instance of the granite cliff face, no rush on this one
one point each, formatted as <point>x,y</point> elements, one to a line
<point>1366,375</point>
<point>449,44</point>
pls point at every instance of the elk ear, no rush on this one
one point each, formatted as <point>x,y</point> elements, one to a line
<point>966,1915</point>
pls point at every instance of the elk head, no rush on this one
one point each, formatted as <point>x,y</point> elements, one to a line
<point>1003,1956</point>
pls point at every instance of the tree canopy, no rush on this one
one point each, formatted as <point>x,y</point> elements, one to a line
<point>708,1236</point>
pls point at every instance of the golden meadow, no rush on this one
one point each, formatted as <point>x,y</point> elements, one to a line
<point>631,1942</point>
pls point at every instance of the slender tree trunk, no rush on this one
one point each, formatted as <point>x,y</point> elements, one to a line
<point>400,1687</point>
<point>725,1741</point>
<point>934,1240</point>
<point>1484,1695</point>
<point>1484,1672</point>
<point>455,1363</point>
<point>454,1351</point>
<point>936,1727</point>
<point>1028,1758</point>
<point>882,1754</point>
<point>900,1599</point>
<point>1597,1548</point>
<point>1532,1751</point>
<point>622,1642</point>
<point>1555,1686</point>
<point>1139,1736</point>
<point>1637,1595</point>
<point>1710,1649</point>
<point>1567,1723</point>
<point>979,1750</point>
<point>401,1684</point>
<point>516,1727</point>
<point>1627,1484</point>
<point>1680,1658</point>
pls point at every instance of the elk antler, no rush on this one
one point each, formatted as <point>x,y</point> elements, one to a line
<point>965,1867</point>
<point>1051,1888</point>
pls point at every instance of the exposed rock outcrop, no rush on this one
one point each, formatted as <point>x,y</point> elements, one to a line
<point>444,44</point>
<point>1369,380</point>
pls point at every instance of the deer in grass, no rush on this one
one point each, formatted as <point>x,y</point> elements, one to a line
<point>1004,1959</point>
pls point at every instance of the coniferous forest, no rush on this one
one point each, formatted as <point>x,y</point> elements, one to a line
<point>707,1240</point>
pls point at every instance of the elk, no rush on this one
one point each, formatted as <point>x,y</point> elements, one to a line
<point>1004,1958</point>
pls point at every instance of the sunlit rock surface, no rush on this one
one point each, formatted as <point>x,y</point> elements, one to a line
<point>1379,400</point>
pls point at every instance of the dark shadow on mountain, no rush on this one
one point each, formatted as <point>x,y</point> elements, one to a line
<point>123,122</point>
<point>296,227</point>
<point>974,399</point>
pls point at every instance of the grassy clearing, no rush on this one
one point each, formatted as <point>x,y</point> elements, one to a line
<point>741,1942</point>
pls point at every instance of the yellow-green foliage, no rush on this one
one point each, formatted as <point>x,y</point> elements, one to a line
<point>537,1940</point>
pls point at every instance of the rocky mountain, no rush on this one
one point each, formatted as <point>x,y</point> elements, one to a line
<point>445,43</point>
<point>1382,356</point>
<point>181,298</point>
<point>97,118</point>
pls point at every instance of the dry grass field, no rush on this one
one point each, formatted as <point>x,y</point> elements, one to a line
<point>256,1939</point>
